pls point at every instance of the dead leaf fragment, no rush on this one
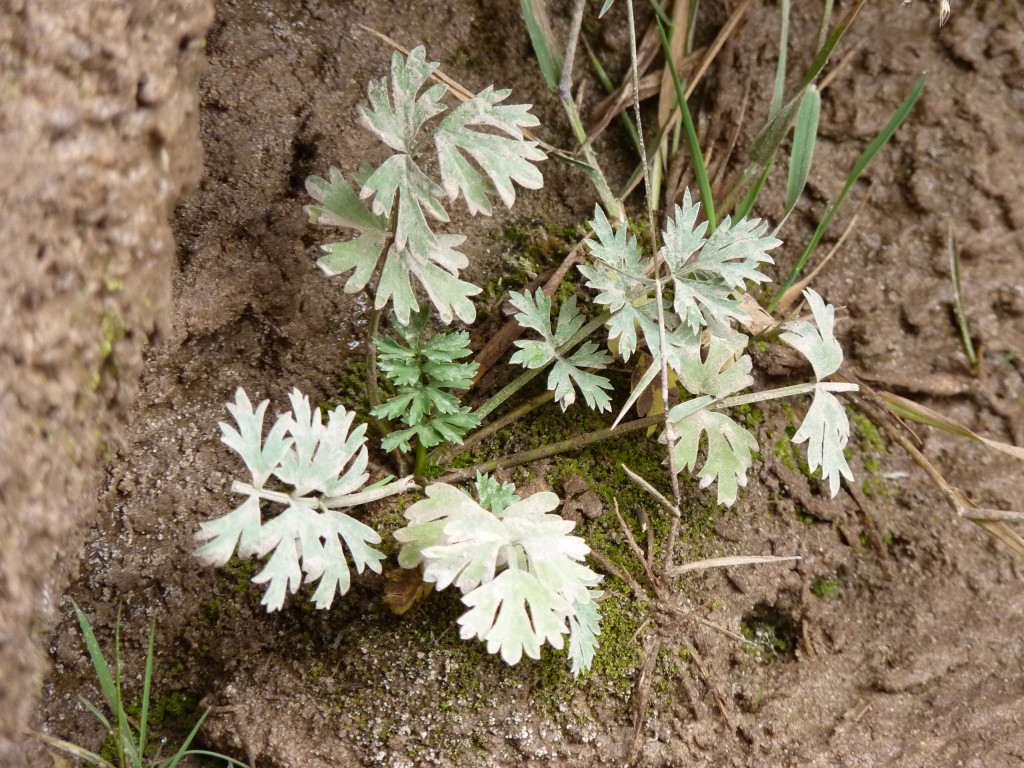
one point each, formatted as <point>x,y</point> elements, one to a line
<point>405,588</point>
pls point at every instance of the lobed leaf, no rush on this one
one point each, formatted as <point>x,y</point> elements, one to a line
<point>322,464</point>
<point>826,430</point>
<point>729,447</point>
<point>620,282</point>
<point>504,159</point>
<point>543,585</point>
<point>567,374</point>
<point>818,345</point>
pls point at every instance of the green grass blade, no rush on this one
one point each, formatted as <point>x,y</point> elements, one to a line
<point>804,136</point>
<point>147,680</point>
<point>97,714</point>
<point>125,737</point>
<point>700,169</point>
<point>831,41</point>
<point>858,168</point>
<point>747,203</point>
<point>660,12</point>
<point>544,45</point>
<point>605,7</point>
<point>96,656</point>
<point>183,750</point>
<point>778,91</point>
<point>90,758</point>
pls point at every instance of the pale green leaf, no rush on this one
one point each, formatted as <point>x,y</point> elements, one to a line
<point>321,466</point>
<point>239,527</point>
<point>729,448</point>
<point>619,279</point>
<point>707,271</point>
<point>515,614</point>
<point>567,374</point>
<point>722,372</point>
<point>584,627</point>
<point>404,197</point>
<point>503,158</point>
<point>826,430</point>
<point>544,582</point>
<point>818,345</point>
<point>261,457</point>
<point>398,116</point>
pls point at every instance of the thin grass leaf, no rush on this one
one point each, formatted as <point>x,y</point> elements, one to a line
<point>700,169</point>
<point>727,562</point>
<point>765,147</point>
<point>804,137</point>
<point>147,680</point>
<point>908,409</point>
<point>778,90</point>
<point>545,47</point>
<point>855,172</point>
<point>99,663</point>
<point>75,751</point>
<point>183,750</point>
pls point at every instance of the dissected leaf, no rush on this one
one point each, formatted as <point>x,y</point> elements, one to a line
<point>521,572</point>
<point>584,627</point>
<point>403,197</point>
<point>729,447</point>
<point>723,371</point>
<point>322,465</point>
<point>494,495</point>
<point>504,159</point>
<point>424,371</point>
<point>818,345</point>
<point>706,272</point>
<point>619,280</point>
<point>567,374</point>
<point>826,430</point>
<point>260,456</point>
<point>515,614</point>
<point>341,207</point>
<point>397,117</point>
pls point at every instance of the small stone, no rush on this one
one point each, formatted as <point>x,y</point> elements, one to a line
<point>591,505</point>
<point>573,485</point>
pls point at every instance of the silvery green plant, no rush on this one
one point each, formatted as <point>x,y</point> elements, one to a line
<point>322,468</point>
<point>695,336</point>
<point>404,199</point>
<point>521,573</point>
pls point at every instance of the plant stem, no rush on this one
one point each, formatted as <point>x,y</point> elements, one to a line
<point>372,386</point>
<point>572,444</point>
<point>597,177</point>
<point>330,502</point>
<point>528,375</point>
<point>673,475</point>
<point>446,453</point>
<point>420,467</point>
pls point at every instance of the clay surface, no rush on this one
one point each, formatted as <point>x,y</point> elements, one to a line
<point>896,639</point>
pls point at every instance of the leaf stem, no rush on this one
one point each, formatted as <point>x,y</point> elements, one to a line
<point>597,177</point>
<point>572,444</point>
<point>528,375</point>
<point>446,453</point>
<point>328,502</point>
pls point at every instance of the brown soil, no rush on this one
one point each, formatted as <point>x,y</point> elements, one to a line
<point>896,640</point>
